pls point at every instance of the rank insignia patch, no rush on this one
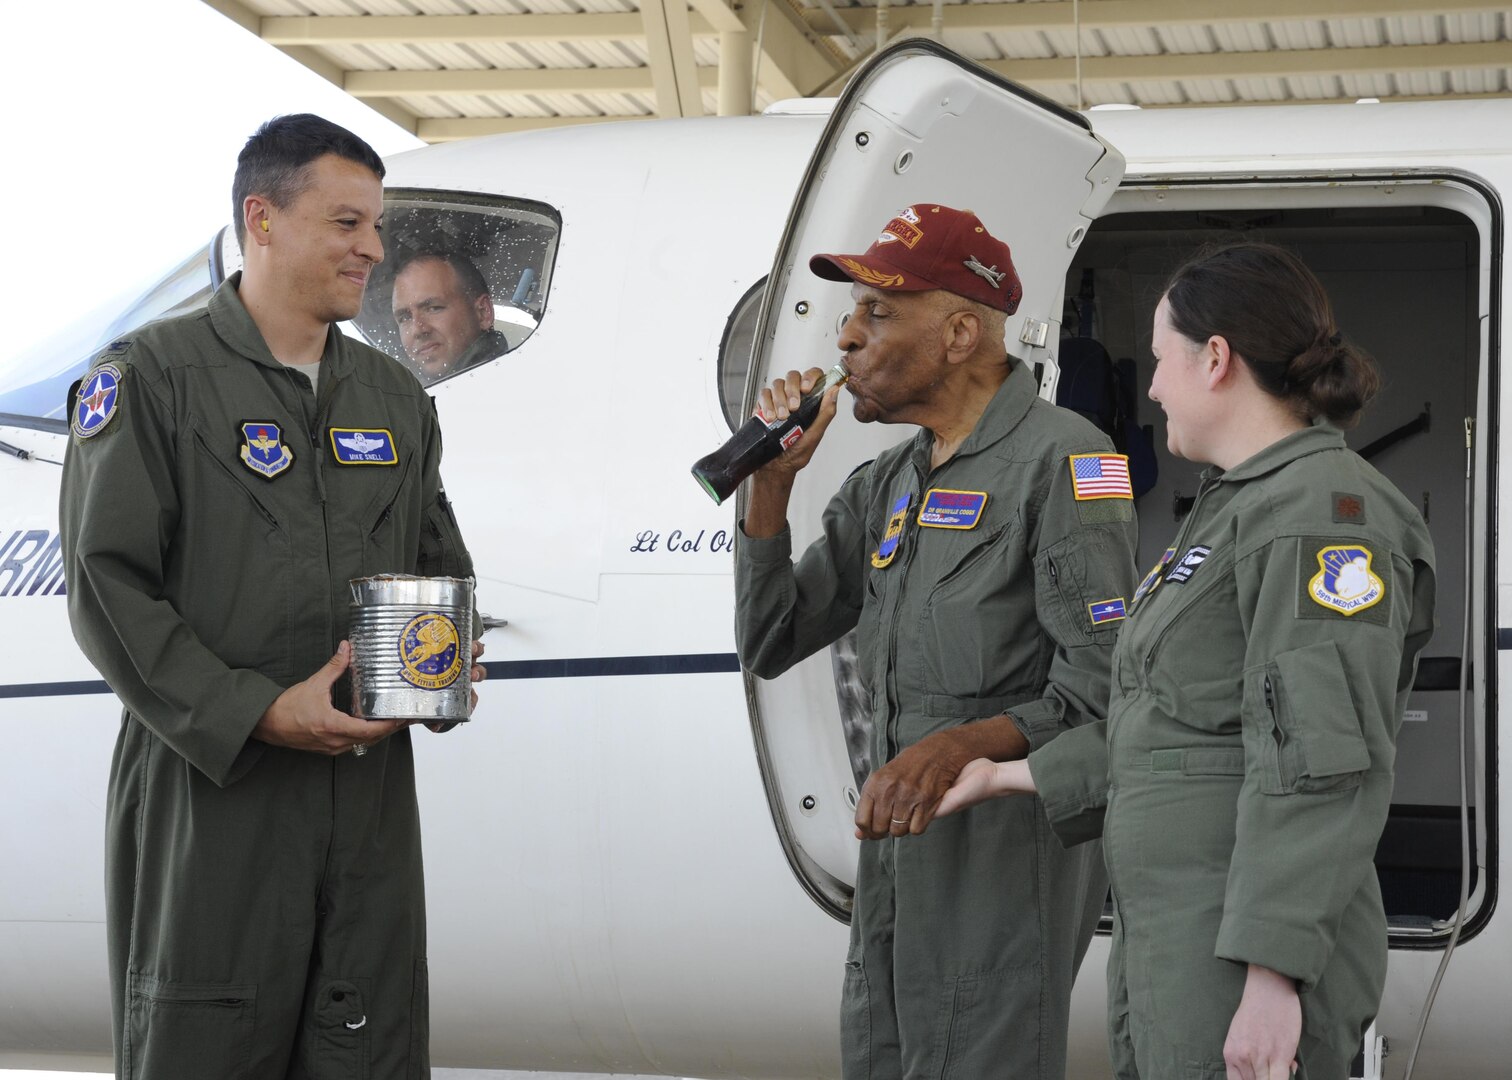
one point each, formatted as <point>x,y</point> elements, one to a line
<point>1182,572</point>
<point>430,652</point>
<point>99,395</point>
<point>1348,508</point>
<point>1100,476</point>
<point>893,535</point>
<point>1106,611</point>
<point>1345,583</point>
<point>363,446</point>
<point>1152,579</point>
<point>946,509</point>
<point>263,450</point>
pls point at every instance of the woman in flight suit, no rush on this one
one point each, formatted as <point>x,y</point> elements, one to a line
<point>1245,770</point>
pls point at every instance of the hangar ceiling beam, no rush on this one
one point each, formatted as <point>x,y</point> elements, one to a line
<point>450,29</point>
<point>669,46</point>
<point>1024,18</point>
<point>369,85</point>
<point>450,129</point>
<point>249,20</point>
<point>795,61</point>
<point>1174,67</point>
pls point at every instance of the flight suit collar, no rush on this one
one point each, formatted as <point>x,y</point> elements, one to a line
<point>1299,444</point>
<point>234,325</point>
<point>1008,406</point>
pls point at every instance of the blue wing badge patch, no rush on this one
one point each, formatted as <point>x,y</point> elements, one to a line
<point>430,652</point>
<point>99,396</point>
<point>263,450</point>
<point>1107,611</point>
<point>363,446</point>
<point>1345,583</point>
<point>893,535</point>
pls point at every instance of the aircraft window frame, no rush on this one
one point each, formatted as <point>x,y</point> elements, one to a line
<point>739,328</point>
<point>375,324</point>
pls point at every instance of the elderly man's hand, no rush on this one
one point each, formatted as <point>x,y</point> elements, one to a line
<point>901,797</point>
<point>783,398</point>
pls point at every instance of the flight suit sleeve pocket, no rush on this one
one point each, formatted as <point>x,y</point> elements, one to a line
<point>1077,588</point>
<point>442,552</point>
<point>1313,742</point>
<point>188,1029</point>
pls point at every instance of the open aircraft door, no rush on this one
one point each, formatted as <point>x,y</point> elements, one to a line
<point>917,124</point>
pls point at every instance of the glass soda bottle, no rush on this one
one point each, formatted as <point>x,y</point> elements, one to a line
<point>757,441</point>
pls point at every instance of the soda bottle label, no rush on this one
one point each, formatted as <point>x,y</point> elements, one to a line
<point>791,437</point>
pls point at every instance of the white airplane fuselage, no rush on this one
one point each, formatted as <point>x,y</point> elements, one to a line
<point>608,884</point>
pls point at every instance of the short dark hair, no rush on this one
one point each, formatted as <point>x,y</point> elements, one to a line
<point>276,161</point>
<point>469,277</point>
<point>1275,314</point>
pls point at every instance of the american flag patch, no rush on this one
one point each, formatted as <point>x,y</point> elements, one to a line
<point>1100,476</point>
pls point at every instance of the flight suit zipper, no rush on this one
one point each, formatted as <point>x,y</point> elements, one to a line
<point>1186,529</point>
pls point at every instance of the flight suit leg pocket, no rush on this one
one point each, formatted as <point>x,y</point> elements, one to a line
<point>855,1022</point>
<point>1204,1070</point>
<point>340,1038</point>
<point>176,1030</point>
<point>988,1025</point>
<point>1308,737</point>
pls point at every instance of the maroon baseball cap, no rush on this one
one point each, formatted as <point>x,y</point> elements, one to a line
<point>928,246</point>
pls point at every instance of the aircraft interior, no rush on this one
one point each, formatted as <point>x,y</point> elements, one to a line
<point>1407,281</point>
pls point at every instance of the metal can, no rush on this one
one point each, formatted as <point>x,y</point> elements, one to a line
<point>411,647</point>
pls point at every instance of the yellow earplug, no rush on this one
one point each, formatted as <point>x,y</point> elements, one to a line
<point>265,224</point>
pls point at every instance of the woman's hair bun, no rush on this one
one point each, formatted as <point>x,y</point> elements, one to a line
<point>1275,315</point>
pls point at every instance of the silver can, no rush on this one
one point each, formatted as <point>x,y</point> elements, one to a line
<point>411,647</point>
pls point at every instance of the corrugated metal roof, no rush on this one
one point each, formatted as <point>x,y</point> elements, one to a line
<point>451,68</point>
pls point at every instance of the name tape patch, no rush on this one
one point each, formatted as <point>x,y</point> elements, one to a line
<point>363,446</point>
<point>1100,476</point>
<point>947,509</point>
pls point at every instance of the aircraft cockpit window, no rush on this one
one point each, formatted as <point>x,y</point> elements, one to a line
<point>463,281</point>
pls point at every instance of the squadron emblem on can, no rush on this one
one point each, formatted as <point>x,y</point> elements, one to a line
<point>430,653</point>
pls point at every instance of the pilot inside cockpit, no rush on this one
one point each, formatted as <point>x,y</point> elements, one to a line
<point>445,315</point>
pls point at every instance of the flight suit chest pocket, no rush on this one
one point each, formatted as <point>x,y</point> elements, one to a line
<point>1301,723</point>
<point>380,509</point>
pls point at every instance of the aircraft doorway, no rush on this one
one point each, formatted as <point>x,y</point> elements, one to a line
<point>1407,270</point>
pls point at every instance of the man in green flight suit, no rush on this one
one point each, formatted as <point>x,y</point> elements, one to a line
<point>265,906</point>
<point>985,564</point>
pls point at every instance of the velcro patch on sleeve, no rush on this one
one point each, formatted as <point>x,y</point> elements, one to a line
<point>1107,611</point>
<point>1337,579</point>
<point>1100,476</point>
